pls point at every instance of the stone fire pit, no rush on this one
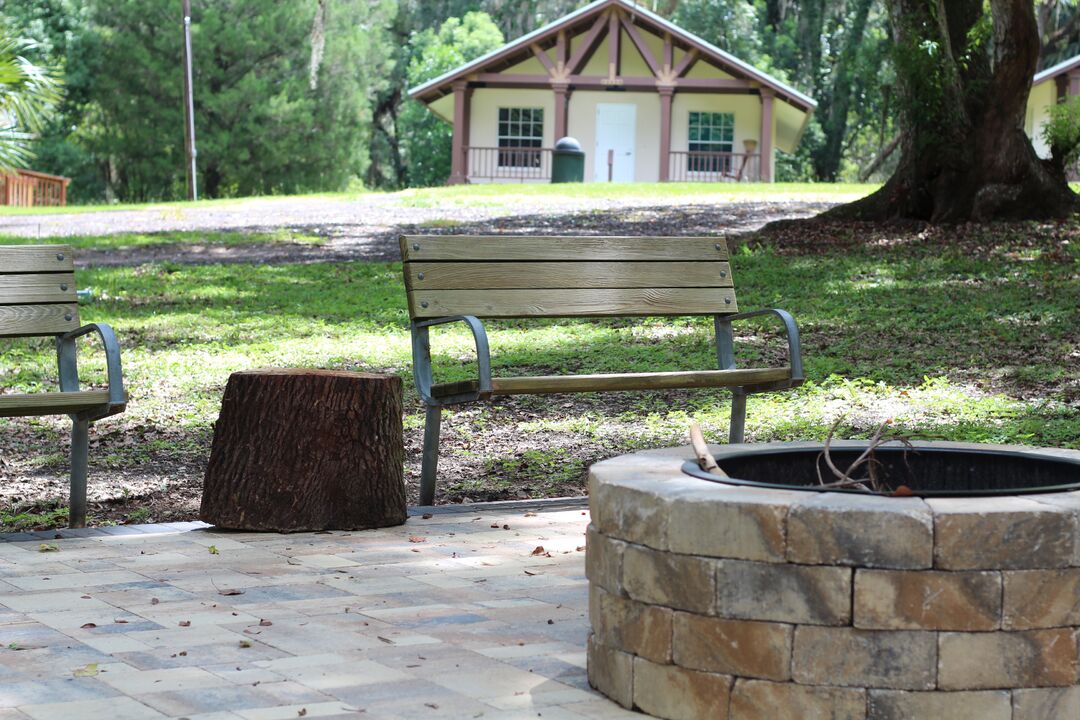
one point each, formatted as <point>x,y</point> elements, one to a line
<point>717,601</point>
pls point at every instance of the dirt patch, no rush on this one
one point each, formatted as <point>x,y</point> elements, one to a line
<point>370,241</point>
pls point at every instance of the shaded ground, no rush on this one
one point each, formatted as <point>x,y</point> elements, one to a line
<point>144,471</point>
<point>375,237</point>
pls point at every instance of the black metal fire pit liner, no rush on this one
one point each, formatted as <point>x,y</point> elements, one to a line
<point>928,471</point>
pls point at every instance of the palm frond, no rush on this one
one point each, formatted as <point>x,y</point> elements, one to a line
<point>28,94</point>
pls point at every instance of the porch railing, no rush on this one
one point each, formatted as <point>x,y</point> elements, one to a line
<point>27,188</point>
<point>515,164</point>
<point>700,166</point>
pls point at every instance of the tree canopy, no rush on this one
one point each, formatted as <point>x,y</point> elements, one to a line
<point>310,95</point>
<point>426,144</point>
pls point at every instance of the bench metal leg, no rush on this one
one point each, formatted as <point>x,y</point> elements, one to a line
<point>432,426</point>
<point>738,417</point>
<point>80,439</point>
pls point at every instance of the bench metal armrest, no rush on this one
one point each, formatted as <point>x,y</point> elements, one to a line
<point>422,371</point>
<point>69,369</point>
<point>725,340</point>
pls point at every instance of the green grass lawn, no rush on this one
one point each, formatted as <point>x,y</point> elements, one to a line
<point>947,343</point>
<point>178,237</point>
<point>507,194</point>
<point>488,195</point>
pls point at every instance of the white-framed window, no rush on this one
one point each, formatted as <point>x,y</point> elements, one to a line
<point>712,140</point>
<point>521,134</point>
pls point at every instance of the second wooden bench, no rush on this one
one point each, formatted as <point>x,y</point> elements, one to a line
<point>465,278</point>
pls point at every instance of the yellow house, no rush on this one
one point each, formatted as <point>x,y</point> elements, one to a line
<point>1047,89</point>
<point>647,101</point>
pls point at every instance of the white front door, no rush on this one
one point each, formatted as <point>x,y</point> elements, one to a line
<point>615,131</point>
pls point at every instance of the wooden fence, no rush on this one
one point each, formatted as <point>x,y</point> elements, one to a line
<point>26,188</point>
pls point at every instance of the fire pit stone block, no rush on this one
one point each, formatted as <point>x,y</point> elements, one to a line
<point>835,529</point>
<point>711,601</point>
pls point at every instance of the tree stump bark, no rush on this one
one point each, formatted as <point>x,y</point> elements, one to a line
<point>298,450</point>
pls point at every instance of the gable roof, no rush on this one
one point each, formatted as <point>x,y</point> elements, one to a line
<point>1052,72</point>
<point>432,89</point>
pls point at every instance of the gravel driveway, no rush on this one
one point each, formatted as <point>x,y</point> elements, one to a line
<point>366,227</point>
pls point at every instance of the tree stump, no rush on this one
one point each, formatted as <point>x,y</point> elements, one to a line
<point>298,450</point>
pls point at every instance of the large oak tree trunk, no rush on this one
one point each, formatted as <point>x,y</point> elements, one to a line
<point>964,80</point>
<point>302,450</point>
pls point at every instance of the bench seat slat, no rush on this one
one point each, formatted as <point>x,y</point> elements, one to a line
<point>537,275</point>
<point>546,384</point>
<point>28,288</point>
<point>28,320</point>
<point>52,403</point>
<point>35,259</point>
<point>571,303</point>
<point>560,248</point>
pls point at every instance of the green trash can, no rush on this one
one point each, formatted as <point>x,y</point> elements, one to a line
<point>567,161</point>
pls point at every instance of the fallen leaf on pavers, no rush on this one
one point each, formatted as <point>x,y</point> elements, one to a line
<point>580,548</point>
<point>416,539</point>
<point>530,514</point>
<point>415,550</point>
<point>184,623</point>
<point>433,706</point>
<point>293,562</point>
<point>388,641</point>
<point>154,601</point>
<point>212,549</point>
<point>245,643</point>
<point>48,547</point>
<point>230,591</point>
<point>85,597</point>
<point>249,631</point>
<point>265,623</point>
<point>301,712</point>
<point>427,516</point>
<point>495,525</point>
<point>87,626</point>
<point>539,550</point>
<point>506,527</point>
<point>89,670</point>
<point>120,621</point>
<point>530,572</point>
<point>17,646</point>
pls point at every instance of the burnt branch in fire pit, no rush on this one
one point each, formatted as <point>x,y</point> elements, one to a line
<point>705,459</point>
<point>845,479</point>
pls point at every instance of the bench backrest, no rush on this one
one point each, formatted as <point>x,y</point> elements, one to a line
<point>557,276</point>
<point>37,290</point>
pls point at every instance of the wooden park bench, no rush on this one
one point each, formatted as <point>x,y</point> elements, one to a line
<point>464,278</point>
<point>37,298</point>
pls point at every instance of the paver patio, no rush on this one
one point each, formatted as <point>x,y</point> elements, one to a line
<point>455,616</point>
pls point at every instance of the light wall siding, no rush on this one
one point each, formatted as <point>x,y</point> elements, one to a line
<point>706,71</point>
<point>746,108</point>
<point>1043,96</point>
<point>484,118</point>
<point>532,66</point>
<point>582,126</point>
<point>597,63</point>
<point>631,63</point>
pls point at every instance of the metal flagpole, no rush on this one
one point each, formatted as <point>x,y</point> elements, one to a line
<point>189,108</point>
